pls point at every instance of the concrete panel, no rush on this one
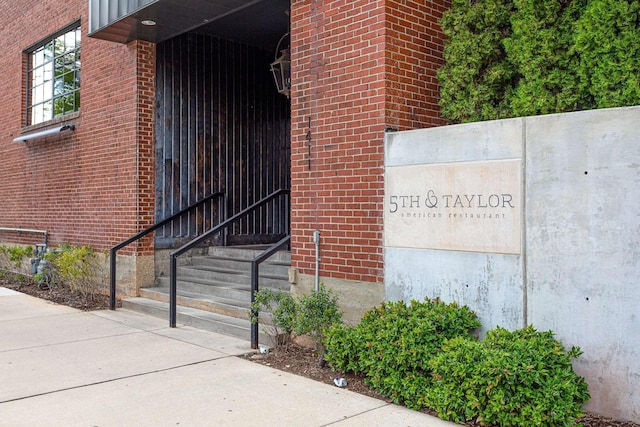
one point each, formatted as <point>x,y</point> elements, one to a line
<point>17,307</point>
<point>464,206</point>
<point>501,139</point>
<point>489,284</point>
<point>580,240</point>
<point>354,298</point>
<point>400,415</point>
<point>32,332</point>
<point>583,216</point>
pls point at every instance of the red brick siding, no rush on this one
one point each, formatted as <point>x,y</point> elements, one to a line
<point>146,70</point>
<point>357,68</point>
<point>414,46</point>
<point>84,188</point>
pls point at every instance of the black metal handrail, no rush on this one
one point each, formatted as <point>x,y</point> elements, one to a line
<point>187,246</point>
<point>255,274</point>
<point>114,250</point>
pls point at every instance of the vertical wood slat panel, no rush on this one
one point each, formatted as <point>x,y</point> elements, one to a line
<point>220,126</point>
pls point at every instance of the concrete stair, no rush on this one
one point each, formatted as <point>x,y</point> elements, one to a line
<point>214,290</point>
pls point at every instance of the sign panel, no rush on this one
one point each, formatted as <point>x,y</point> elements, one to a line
<point>466,206</point>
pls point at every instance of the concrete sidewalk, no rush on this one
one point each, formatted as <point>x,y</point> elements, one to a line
<point>63,367</point>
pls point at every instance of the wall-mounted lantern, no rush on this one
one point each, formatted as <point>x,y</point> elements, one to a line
<point>281,69</point>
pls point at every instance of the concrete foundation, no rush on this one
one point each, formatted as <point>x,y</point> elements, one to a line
<point>133,273</point>
<point>577,270</point>
<point>354,298</point>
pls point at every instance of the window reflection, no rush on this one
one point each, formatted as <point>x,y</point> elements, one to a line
<point>54,77</point>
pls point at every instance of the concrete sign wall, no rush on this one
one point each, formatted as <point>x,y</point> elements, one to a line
<point>566,254</point>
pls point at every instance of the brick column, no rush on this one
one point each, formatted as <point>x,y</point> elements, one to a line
<point>357,68</point>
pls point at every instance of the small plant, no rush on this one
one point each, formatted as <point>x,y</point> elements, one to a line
<point>344,346</point>
<point>15,255</point>
<point>520,378</point>
<point>393,344</point>
<point>307,315</point>
<point>77,267</point>
<point>282,308</point>
<point>317,312</point>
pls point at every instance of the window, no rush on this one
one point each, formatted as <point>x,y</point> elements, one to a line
<point>53,76</point>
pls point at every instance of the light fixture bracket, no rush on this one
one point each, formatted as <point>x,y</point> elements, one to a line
<point>281,69</point>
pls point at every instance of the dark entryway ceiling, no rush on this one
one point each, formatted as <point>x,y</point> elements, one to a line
<point>258,23</point>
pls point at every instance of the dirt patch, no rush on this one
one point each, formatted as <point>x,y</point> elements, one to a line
<point>58,294</point>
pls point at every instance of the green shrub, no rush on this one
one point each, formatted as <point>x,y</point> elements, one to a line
<point>607,39</point>
<point>77,267</point>
<point>307,315</point>
<point>15,255</point>
<point>282,308</point>
<point>344,345</point>
<point>317,312</point>
<point>393,344</point>
<point>509,58</point>
<point>520,378</point>
<point>541,47</point>
<point>477,76</point>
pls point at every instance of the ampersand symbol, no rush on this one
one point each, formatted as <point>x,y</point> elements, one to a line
<point>431,201</point>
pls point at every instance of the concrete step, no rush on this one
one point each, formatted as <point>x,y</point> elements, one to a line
<point>212,286</point>
<point>195,273</point>
<point>219,283</point>
<point>269,267</point>
<point>248,253</point>
<point>238,308</point>
<point>201,319</point>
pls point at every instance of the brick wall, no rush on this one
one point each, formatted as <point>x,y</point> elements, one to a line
<point>358,67</point>
<point>146,71</point>
<point>91,187</point>
<point>413,54</point>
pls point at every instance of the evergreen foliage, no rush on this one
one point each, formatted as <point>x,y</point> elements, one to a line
<point>521,378</point>
<point>509,58</point>
<point>393,343</point>
<point>477,77</point>
<point>541,46</point>
<point>607,39</point>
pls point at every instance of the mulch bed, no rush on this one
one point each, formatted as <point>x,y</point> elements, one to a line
<point>304,362</point>
<point>57,294</point>
<point>295,359</point>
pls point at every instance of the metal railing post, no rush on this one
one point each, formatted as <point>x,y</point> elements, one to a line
<point>217,229</point>
<point>172,291</point>
<point>112,279</point>
<point>255,278</point>
<point>114,250</point>
<point>254,313</point>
